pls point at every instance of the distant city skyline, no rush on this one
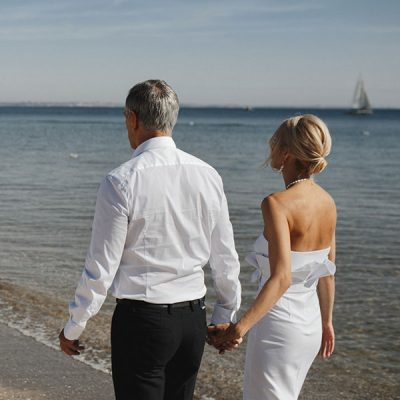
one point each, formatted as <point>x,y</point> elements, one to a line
<point>259,53</point>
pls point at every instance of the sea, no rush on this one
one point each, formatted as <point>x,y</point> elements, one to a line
<point>52,160</point>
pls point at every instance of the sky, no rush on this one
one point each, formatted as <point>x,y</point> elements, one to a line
<point>220,52</point>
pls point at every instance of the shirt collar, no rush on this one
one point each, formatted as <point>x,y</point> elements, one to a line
<point>155,143</point>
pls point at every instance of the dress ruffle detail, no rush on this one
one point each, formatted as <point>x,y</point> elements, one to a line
<point>306,274</point>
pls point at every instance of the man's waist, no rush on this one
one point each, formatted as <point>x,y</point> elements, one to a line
<point>157,289</point>
<point>167,306</point>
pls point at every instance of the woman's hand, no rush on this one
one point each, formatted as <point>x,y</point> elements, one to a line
<point>227,338</point>
<point>215,332</point>
<point>328,341</point>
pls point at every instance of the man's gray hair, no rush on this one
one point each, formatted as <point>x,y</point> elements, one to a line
<point>155,103</point>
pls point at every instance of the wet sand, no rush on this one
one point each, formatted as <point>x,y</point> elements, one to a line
<point>32,370</point>
<point>29,370</point>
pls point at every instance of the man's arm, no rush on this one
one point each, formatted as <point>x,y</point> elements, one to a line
<point>109,231</point>
<point>225,268</point>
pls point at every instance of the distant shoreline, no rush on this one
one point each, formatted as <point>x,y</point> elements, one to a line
<point>183,106</point>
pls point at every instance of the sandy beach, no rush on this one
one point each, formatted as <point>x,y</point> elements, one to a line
<point>33,371</point>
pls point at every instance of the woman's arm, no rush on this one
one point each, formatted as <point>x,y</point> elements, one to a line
<point>276,230</point>
<point>326,295</point>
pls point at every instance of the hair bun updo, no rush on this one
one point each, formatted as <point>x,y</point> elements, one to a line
<point>317,165</point>
<point>307,138</point>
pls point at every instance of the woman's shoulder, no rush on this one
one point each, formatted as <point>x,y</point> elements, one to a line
<point>325,196</point>
<point>271,199</point>
<point>274,202</point>
<point>277,199</point>
<point>284,200</point>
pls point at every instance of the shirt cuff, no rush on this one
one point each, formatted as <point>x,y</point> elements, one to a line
<point>72,331</point>
<point>223,315</point>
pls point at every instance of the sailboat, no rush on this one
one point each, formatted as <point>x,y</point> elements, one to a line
<point>361,104</point>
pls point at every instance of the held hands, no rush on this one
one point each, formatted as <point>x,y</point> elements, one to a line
<point>224,337</point>
<point>328,341</point>
<point>69,347</point>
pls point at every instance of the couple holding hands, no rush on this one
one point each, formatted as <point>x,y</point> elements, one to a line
<point>161,216</point>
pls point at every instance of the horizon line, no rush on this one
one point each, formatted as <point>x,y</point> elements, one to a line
<point>88,104</point>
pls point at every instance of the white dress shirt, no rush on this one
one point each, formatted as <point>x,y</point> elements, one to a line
<point>159,218</point>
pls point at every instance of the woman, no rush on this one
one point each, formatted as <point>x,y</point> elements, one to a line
<point>291,318</point>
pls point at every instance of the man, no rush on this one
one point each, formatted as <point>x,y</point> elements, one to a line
<point>159,218</point>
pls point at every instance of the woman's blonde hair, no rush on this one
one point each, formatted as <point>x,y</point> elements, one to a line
<point>305,137</point>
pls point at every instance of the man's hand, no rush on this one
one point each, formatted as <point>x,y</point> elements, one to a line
<point>213,330</point>
<point>216,333</point>
<point>70,347</point>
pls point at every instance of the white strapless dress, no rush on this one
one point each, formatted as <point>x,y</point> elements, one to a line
<point>282,345</point>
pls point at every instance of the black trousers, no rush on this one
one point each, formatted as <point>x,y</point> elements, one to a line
<point>156,352</point>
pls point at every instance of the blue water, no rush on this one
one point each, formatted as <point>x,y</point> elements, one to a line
<point>53,158</point>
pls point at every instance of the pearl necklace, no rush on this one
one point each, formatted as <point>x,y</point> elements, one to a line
<point>294,182</point>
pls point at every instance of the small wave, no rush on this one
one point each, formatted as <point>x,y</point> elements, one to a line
<point>41,317</point>
<point>41,336</point>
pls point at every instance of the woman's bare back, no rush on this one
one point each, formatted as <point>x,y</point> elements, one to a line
<point>311,216</point>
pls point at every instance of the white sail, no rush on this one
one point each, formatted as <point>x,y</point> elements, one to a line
<point>361,104</point>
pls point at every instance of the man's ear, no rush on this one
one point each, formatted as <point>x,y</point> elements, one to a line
<point>133,119</point>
